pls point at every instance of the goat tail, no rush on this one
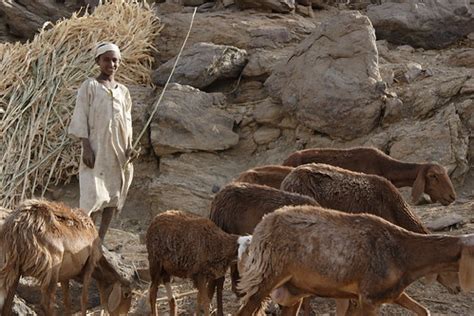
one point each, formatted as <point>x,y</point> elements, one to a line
<point>23,245</point>
<point>262,267</point>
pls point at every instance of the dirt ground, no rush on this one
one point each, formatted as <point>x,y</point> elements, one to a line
<point>435,297</point>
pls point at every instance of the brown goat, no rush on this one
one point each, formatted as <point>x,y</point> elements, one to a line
<point>271,175</point>
<point>52,243</point>
<point>238,208</point>
<point>430,178</point>
<point>115,291</point>
<point>186,245</point>
<point>348,256</point>
<point>354,192</point>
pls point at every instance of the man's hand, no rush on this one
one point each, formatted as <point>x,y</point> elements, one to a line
<point>88,156</point>
<point>132,154</point>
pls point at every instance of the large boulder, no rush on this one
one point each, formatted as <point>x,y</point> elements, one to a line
<point>333,77</point>
<point>141,98</point>
<point>464,58</point>
<point>423,98</point>
<point>261,62</point>
<point>441,138</point>
<point>202,64</point>
<point>25,17</point>
<point>465,110</point>
<point>422,23</point>
<point>191,120</point>
<point>189,181</point>
<point>5,35</point>
<point>238,29</point>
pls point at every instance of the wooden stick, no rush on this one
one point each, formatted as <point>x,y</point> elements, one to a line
<point>155,106</point>
<point>177,296</point>
<point>434,301</point>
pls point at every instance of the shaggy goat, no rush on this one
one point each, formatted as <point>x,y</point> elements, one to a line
<point>352,192</point>
<point>186,245</point>
<point>52,243</point>
<point>271,175</point>
<point>430,178</point>
<point>238,208</point>
<point>349,256</point>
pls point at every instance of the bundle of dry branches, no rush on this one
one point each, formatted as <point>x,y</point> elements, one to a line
<point>38,84</point>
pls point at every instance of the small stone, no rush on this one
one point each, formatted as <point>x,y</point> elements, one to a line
<point>413,71</point>
<point>406,48</point>
<point>215,188</point>
<point>446,222</point>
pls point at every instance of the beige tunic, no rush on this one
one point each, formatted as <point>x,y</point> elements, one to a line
<point>104,116</point>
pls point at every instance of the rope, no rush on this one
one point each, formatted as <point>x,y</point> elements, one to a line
<point>135,144</point>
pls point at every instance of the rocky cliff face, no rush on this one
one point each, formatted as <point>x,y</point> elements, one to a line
<point>260,79</point>
<point>21,19</point>
<point>255,84</point>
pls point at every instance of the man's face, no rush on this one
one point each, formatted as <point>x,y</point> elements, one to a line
<point>109,62</point>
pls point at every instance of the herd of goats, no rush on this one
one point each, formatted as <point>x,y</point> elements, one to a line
<point>327,222</point>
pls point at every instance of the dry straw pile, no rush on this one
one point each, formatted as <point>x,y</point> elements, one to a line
<point>38,84</point>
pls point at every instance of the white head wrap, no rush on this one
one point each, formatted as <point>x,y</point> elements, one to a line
<point>105,47</point>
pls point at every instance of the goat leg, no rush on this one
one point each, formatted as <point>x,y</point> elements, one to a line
<point>412,305</point>
<point>48,294</point>
<point>86,280</point>
<point>106,219</point>
<point>234,274</point>
<point>156,279</point>
<point>9,293</point>
<point>66,297</point>
<point>342,306</point>
<point>202,299</point>
<point>171,299</point>
<point>307,306</point>
<point>211,288</point>
<point>216,285</point>
<point>291,310</point>
<point>155,283</point>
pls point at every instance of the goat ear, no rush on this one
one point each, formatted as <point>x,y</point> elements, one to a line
<point>114,298</point>
<point>466,269</point>
<point>418,186</point>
